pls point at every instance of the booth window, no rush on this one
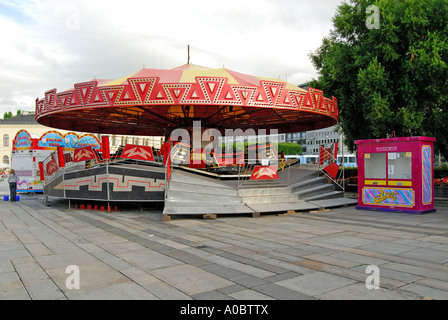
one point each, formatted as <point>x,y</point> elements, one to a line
<point>399,165</point>
<point>375,166</point>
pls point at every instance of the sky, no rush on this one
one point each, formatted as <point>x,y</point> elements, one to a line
<point>48,44</point>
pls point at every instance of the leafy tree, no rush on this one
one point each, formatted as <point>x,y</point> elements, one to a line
<point>388,77</point>
<point>7,115</point>
<point>289,148</point>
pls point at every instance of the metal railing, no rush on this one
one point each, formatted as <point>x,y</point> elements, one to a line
<point>327,158</point>
<point>75,166</point>
<point>246,169</point>
<point>168,172</point>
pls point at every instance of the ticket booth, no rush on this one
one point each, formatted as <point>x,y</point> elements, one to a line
<point>396,174</point>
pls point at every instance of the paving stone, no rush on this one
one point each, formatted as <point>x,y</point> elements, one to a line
<point>419,271</point>
<point>289,266</point>
<point>7,236</point>
<point>134,255</point>
<point>121,247</point>
<point>190,279</point>
<point>392,274</point>
<point>148,259</point>
<point>359,259</point>
<point>417,243</point>
<point>413,262</point>
<point>271,267</point>
<point>10,246</point>
<point>348,241</point>
<point>139,276</point>
<point>358,291</point>
<point>231,289</point>
<point>433,283</point>
<point>91,275</point>
<point>29,271</point>
<point>332,260</point>
<point>281,293</point>
<point>316,283</point>
<point>426,254</point>
<point>309,249</point>
<point>164,291</point>
<point>388,248</point>
<point>186,257</point>
<point>237,250</point>
<point>257,272</point>
<point>212,295</point>
<point>6,265</point>
<point>112,261</point>
<point>11,285</point>
<point>19,253</point>
<point>172,244</point>
<point>38,249</point>
<point>250,295</point>
<point>64,259</point>
<point>235,276</point>
<point>45,291</point>
<point>119,291</point>
<point>425,291</point>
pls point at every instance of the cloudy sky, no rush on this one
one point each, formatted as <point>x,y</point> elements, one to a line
<point>48,44</point>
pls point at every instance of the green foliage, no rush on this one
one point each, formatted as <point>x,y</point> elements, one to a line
<point>394,78</point>
<point>350,172</point>
<point>7,115</point>
<point>440,172</point>
<point>287,147</point>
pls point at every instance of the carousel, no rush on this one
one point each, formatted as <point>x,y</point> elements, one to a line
<point>191,107</point>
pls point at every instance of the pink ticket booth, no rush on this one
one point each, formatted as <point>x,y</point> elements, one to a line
<point>396,174</point>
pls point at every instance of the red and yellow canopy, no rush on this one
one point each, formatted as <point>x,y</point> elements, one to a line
<point>154,102</point>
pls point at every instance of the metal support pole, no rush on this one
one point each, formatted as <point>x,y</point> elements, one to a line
<point>343,164</point>
<point>289,173</point>
<point>108,188</point>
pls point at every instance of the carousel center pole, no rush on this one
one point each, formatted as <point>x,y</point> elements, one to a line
<point>188,61</point>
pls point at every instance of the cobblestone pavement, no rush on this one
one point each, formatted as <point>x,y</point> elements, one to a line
<point>132,254</point>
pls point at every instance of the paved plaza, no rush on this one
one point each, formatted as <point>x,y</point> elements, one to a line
<point>133,254</point>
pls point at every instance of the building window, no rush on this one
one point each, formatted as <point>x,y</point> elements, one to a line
<point>6,140</point>
<point>5,160</point>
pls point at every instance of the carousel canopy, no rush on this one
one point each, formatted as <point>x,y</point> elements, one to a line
<point>155,102</point>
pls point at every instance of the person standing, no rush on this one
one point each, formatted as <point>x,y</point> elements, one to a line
<point>282,158</point>
<point>12,179</point>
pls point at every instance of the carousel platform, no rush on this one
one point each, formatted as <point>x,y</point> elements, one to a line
<point>195,195</point>
<point>121,181</point>
<point>188,193</point>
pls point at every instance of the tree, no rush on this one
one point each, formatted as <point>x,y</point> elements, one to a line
<point>386,62</point>
<point>289,148</point>
<point>7,115</point>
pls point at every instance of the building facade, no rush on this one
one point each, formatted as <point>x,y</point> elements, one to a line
<point>324,137</point>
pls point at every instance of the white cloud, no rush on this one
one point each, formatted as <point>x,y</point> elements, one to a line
<point>54,44</point>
